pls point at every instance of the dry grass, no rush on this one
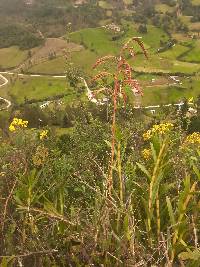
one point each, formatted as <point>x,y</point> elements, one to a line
<point>55,45</point>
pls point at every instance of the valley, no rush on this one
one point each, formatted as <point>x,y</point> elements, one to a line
<point>99,133</point>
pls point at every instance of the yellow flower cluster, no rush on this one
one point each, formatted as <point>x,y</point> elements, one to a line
<point>16,124</point>
<point>193,138</point>
<point>158,129</point>
<point>43,134</point>
<point>146,153</point>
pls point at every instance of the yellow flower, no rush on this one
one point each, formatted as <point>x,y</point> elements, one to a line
<point>191,100</point>
<point>12,128</point>
<point>158,129</point>
<point>17,124</point>
<point>146,153</point>
<point>147,135</point>
<point>193,138</point>
<point>44,134</point>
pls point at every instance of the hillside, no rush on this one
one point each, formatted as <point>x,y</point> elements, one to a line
<point>99,133</point>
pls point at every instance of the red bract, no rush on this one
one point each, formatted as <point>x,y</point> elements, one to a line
<point>101,75</point>
<point>103,60</point>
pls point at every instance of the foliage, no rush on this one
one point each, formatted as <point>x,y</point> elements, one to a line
<point>59,184</point>
<point>14,35</point>
<point>123,197</point>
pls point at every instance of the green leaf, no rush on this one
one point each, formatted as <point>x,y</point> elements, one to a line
<point>126,223</point>
<point>184,194</point>
<point>6,260</point>
<point>170,210</point>
<point>118,134</point>
<point>153,152</point>
<point>197,172</point>
<point>190,255</point>
<point>49,207</point>
<point>156,187</point>
<point>144,170</point>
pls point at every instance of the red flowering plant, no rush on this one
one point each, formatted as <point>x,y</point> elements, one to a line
<point>115,82</point>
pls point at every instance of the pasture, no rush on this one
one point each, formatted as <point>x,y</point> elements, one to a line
<point>193,54</point>
<point>36,88</point>
<point>11,57</point>
<point>54,66</point>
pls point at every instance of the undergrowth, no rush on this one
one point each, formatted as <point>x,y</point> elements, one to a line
<point>122,190</point>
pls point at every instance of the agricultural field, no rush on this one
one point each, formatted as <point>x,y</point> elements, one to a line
<point>194,54</point>
<point>82,48</point>
<point>52,66</point>
<point>37,88</point>
<point>161,89</point>
<point>95,39</point>
<point>165,93</point>
<point>54,47</point>
<point>99,42</point>
<point>156,63</point>
<point>12,57</point>
<point>174,52</point>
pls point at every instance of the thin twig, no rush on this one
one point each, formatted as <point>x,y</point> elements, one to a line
<point>45,213</point>
<point>30,254</point>
<point>6,204</point>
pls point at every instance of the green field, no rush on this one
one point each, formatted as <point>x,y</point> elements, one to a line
<point>97,40</point>
<point>100,40</point>
<point>38,88</point>
<point>155,63</point>
<point>12,57</point>
<point>174,52</point>
<point>194,54</point>
<point>152,38</point>
<point>171,94</point>
<point>54,66</point>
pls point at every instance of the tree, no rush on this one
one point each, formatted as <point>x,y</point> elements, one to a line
<point>142,29</point>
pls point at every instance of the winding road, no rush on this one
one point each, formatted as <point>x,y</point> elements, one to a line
<point>5,81</point>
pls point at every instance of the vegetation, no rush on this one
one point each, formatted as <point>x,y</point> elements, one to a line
<point>157,203</point>
<point>53,66</point>
<point>89,175</point>
<point>36,88</point>
<point>13,35</point>
<point>12,57</point>
<point>193,54</point>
